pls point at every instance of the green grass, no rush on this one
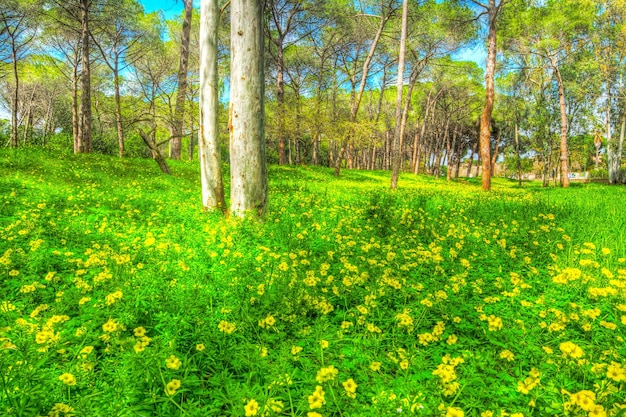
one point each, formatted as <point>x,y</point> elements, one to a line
<point>436,299</point>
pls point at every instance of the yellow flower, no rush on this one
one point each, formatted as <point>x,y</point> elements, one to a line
<point>324,344</point>
<point>252,408</point>
<point>495,323</point>
<point>452,339</point>
<point>350,387</point>
<point>313,414</point>
<point>296,349</point>
<point>487,413</point>
<point>585,399</point>
<point>326,374</point>
<point>316,400</point>
<point>454,412</point>
<point>507,354</point>
<point>140,331</point>
<point>171,387</point>
<point>200,347</point>
<point>571,349</point>
<point>173,362</point>
<point>68,379</point>
<point>226,327</point>
<point>375,366</point>
<point>110,326</point>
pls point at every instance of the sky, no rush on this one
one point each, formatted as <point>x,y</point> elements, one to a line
<point>170,8</point>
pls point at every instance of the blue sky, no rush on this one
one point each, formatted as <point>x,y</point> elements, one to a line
<point>170,8</point>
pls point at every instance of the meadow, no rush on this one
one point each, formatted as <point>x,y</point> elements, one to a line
<point>119,296</point>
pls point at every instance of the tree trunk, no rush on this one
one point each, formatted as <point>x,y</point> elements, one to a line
<point>471,159</point>
<point>399,128</point>
<point>118,108</point>
<point>246,111</point>
<point>494,157</point>
<point>157,155</point>
<point>519,159</point>
<point>85,108</point>
<point>16,96</point>
<point>208,136</point>
<point>485,118</point>
<point>564,122</point>
<point>614,158</point>
<point>620,147</point>
<point>181,94</point>
<point>354,108</point>
<point>75,116</point>
<point>280,99</point>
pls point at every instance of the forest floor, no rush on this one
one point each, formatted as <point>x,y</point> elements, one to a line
<point>119,296</point>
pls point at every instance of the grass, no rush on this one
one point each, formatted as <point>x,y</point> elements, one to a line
<point>121,297</point>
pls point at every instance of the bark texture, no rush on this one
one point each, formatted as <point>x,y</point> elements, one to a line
<point>246,113</point>
<point>208,136</point>
<point>177,128</point>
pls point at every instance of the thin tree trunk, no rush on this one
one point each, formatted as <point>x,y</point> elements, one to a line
<point>85,108</point>
<point>280,100</point>
<point>471,159</point>
<point>519,159</point>
<point>246,112</point>
<point>485,118</point>
<point>564,123</point>
<point>399,128</point>
<point>620,147</point>
<point>118,109</point>
<point>494,157</point>
<point>75,117</point>
<point>614,158</point>
<point>354,108</point>
<point>209,152</point>
<point>16,96</point>
<point>181,94</point>
<point>157,155</point>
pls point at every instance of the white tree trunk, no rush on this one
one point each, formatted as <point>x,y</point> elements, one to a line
<point>248,172</point>
<point>397,139</point>
<point>208,135</point>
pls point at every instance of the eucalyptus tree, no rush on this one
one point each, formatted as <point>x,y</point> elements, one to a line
<point>248,171</point>
<point>609,43</point>
<point>208,136</point>
<point>18,26</point>
<point>181,91</point>
<point>399,129</point>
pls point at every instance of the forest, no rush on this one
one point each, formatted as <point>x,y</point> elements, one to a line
<point>358,208</point>
<point>93,75</point>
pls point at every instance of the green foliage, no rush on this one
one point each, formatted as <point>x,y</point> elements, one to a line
<point>120,296</point>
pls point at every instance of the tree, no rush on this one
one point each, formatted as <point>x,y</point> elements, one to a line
<point>399,131</point>
<point>17,30</point>
<point>208,136</point>
<point>246,111</point>
<point>492,10</point>
<point>555,32</point>
<point>120,30</point>
<point>388,8</point>
<point>181,92</point>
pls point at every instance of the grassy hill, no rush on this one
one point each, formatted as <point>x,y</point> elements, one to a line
<point>120,297</point>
